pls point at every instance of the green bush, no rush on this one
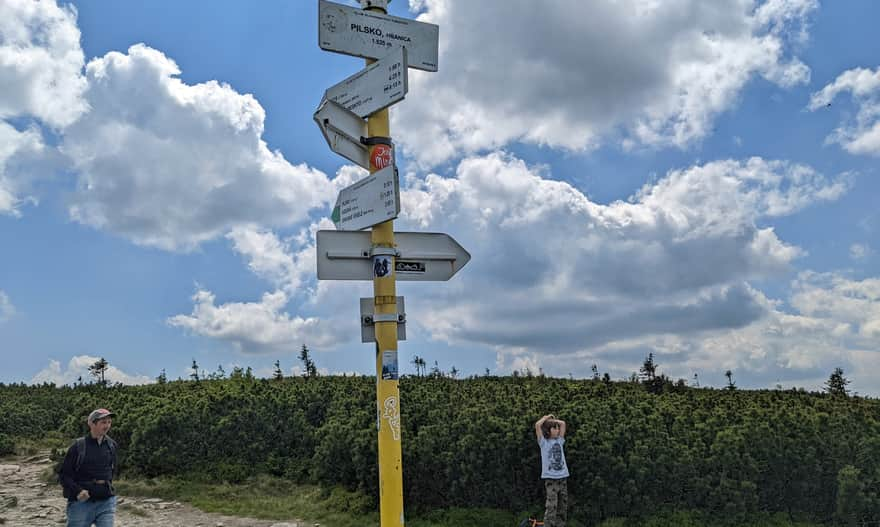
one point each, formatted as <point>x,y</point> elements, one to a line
<point>7,445</point>
<point>469,444</point>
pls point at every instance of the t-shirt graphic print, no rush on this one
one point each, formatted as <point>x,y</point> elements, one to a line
<point>553,458</point>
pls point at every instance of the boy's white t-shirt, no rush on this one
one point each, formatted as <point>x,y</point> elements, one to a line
<point>553,458</point>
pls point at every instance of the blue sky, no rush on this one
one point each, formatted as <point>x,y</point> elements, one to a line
<point>697,181</point>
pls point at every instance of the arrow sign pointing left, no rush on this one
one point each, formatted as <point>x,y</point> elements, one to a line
<point>370,201</point>
<point>343,131</point>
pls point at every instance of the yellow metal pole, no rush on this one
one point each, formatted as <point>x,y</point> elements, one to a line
<point>387,390</point>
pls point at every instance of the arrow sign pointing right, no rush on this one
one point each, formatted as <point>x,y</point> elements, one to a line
<point>377,86</point>
<point>423,256</point>
<point>373,35</point>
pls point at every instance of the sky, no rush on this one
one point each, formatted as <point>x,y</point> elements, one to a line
<point>693,180</point>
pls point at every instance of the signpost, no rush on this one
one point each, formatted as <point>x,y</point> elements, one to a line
<point>370,201</point>
<point>380,255</point>
<point>372,34</point>
<point>419,256</point>
<point>343,131</point>
<point>377,86</point>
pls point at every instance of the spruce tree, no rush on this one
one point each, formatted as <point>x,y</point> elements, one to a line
<point>730,384</point>
<point>648,370</point>
<point>98,369</point>
<point>309,368</point>
<point>836,383</point>
<point>417,362</point>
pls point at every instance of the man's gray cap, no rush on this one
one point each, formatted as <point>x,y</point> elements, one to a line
<point>100,413</point>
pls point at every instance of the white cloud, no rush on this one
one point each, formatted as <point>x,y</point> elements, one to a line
<point>6,307</point>
<point>835,322</point>
<point>20,152</point>
<point>859,251</point>
<point>693,228</point>
<point>170,165</point>
<point>265,326</point>
<point>41,77</point>
<point>573,75</point>
<point>78,367</point>
<point>518,360</point>
<point>255,327</point>
<point>40,62</point>
<point>287,264</point>
<point>555,276</point>
<point>272,259</point>
<point>863,135</point>
<point>855,305</point>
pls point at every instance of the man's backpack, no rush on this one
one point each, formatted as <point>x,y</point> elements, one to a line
<point>80,445</point>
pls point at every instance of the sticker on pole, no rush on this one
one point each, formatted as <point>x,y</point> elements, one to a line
<point>389,365</point>
<point>382,156</point>
<point>382,266</point>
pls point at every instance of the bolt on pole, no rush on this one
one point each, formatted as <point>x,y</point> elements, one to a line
<point>385,303</point>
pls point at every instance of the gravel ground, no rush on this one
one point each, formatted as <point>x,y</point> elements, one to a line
<point>26,501</point>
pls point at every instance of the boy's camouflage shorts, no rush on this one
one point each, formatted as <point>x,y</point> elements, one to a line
<point>556,507</point>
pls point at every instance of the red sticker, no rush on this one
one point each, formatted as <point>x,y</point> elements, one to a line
<point>381,157</point>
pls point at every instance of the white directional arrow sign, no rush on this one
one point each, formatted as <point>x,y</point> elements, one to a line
<point>373,35</point>
<point>343,131</point>
<point>377,86</point>
<point>422,256</point>
<point>370,201</point>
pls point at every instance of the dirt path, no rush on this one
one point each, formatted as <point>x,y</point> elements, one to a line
<point>26,501</point>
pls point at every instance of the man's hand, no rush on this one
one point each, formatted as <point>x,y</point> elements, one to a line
<point>83,495</point>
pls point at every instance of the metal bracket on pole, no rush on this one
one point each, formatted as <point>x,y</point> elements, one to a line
<point>369,318</point>
<point>376,140</point>
<point>381,4</point>
<point>384,251</point>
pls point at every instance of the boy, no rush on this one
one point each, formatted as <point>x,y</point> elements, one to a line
<point>551,436</point>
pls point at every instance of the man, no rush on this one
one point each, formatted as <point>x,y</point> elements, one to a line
<point>87,474</point>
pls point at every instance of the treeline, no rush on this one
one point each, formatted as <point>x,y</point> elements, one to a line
<point>633,451</point>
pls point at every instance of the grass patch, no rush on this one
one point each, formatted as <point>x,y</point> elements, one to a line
<point>135,510</point>
<point>270,498</point>
<point>464,517</point>
<point>262,497</point>
<point>697,519</point>
<point>31,447</point>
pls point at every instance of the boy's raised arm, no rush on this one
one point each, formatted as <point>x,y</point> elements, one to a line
<point>561,427</point>
<point>538,433</point>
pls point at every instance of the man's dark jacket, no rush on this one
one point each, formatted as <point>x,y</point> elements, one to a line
<point>91,470</point>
